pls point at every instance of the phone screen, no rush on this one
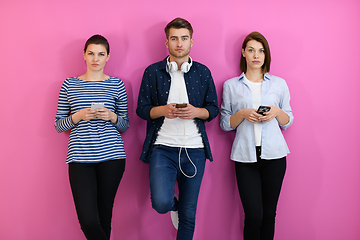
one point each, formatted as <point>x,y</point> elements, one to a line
<point>181,105</point>
<point>95,106</point>
<point>262,109</point>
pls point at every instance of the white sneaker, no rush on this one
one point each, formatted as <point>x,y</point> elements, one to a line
<point>175,215</point>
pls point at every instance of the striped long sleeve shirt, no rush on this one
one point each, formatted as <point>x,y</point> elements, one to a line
<point>95,140</point>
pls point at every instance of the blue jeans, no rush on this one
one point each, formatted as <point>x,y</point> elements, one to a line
<point>164,171</point>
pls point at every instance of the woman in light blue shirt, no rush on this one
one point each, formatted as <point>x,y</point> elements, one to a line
<point>259,149</point>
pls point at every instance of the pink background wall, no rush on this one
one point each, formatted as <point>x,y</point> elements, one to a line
<point>315,48</point>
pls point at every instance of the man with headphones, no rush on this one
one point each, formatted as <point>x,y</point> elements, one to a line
<point>177,96</point>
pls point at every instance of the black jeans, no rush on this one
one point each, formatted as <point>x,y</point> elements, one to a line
<point>259,187</point>
<point>94,186</point>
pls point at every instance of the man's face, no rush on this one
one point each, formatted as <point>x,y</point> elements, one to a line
<point>179,44</point>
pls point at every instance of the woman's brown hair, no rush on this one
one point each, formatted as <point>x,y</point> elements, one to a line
<point>98,40</point>
<point>259,38</point>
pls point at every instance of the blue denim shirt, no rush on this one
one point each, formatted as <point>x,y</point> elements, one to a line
<point>154,91</point>
<point>237,96</point>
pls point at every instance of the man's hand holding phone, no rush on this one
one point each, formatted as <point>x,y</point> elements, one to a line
<point>181,105</point>
<point>184,111</point>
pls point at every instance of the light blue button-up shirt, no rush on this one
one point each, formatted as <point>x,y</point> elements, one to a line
<point>237,96</point>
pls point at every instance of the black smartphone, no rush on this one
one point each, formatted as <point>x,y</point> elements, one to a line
<point>181,105</point>
<point>263,109</point>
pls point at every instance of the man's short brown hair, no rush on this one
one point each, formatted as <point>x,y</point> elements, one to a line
<point>178,23</point>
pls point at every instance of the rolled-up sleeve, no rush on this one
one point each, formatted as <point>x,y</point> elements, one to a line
<point>211,101</point>
<point>144,104</point>
<point>285,105</point>
<point>226,109</point>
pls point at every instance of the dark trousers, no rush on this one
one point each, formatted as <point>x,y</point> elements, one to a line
<point>94,186</point>
<point>259,187</point>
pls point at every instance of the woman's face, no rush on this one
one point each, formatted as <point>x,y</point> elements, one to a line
<point>96,57</point>
<point>254,54</point>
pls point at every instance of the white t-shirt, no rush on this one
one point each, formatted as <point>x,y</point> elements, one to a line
<point>256,100</point>
<point>179,132</point>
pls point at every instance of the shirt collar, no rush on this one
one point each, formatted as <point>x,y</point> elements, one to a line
<point>163,64</point>
<point>266,76</point>
<point>241,78</point>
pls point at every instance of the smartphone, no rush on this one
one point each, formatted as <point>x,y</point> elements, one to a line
<point>95,106</point>
<point>181,105</point>
<point>263,109</point>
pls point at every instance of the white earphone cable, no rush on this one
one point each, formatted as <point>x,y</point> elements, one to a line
<point>188,157</point>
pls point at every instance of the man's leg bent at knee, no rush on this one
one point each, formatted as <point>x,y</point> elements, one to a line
<point>162,177</point>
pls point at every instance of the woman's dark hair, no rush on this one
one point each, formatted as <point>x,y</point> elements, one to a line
<point>259,38</point>
<point>98,39</point>
<point>178,23</point>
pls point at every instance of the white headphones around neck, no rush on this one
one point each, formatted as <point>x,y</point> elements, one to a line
<point>185,67</point>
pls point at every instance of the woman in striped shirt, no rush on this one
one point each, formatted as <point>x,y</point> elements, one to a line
<point>94,107</point>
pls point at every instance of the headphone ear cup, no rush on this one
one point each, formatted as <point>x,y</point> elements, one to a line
<point>173,66</point>
<point>185,67</point>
